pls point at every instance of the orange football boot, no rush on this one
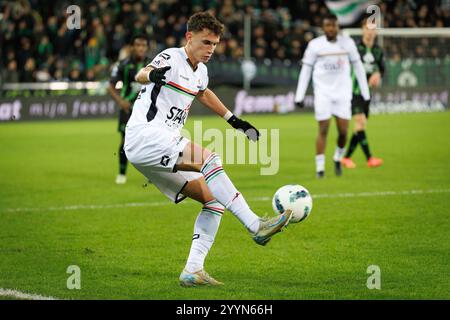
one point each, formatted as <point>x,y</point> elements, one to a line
<point>348,163</point>
<point>374,162</point>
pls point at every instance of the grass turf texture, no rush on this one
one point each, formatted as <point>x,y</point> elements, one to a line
<point>138,252</point>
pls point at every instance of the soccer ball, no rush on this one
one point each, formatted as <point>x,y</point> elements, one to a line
<point>294,197</point>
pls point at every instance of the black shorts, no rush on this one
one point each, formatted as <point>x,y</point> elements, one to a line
<point>123,119</point>
<point>360,106</point>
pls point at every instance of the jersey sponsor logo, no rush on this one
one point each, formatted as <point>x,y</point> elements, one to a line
<point>183,77</point>
<point>335,66</point>
<point>177,115</point>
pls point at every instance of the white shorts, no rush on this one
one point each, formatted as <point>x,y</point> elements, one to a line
<point>154,153</point>
<point>325,107</point>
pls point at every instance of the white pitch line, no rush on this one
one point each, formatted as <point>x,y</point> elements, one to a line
<point>91,207</point>
<point>22,295</point>
<point>370,194</point>
<point>158,204</point>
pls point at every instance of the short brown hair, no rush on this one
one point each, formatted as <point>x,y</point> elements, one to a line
<point>205,20</point>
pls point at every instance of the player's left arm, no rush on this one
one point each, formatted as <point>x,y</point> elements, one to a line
<point>208,98</point>
<point>358,67</point>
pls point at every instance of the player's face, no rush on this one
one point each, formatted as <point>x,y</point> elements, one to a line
<point>202,44</point>
<point>330,28</point>
<point>369,31</point>
<point>140,47</point>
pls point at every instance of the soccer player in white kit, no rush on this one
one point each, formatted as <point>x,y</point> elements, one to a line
<point>328,58</point>
<point>175,165</point>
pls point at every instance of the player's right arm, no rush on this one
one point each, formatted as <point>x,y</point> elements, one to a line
<point>309,58</point>
<point>143,75</point>
<point>154,72</point>
<point>116,76</point>
<point>150,74</point>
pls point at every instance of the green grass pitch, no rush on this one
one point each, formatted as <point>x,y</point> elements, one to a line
<point>59,206</point>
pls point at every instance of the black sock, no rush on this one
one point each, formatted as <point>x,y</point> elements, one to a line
<point>352,146</point>
<point>122,160</point>
<point>362,138</point>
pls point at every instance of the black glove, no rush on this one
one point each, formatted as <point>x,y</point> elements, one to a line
<point>299,104</point>
<point>157,75</point>
<point>250,131</point>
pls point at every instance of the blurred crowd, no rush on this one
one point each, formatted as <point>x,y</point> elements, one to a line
<point>37,45</point>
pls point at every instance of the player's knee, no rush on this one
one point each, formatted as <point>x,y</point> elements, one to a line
<point>359,126</point>
<point>206,198</point>
<point>211,162</point>
<point>360,123</point>
<point>323,132</point>
<point>342,134</point>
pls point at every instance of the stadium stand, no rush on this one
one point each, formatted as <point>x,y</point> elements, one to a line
<point>36,44</point>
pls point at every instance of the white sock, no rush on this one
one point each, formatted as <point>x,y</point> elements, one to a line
<point>226,193</point>
<point>320,162</point>
<point>338,154</point>
<point>205,230</point>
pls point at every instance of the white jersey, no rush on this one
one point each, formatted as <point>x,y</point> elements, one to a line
<point>331,66</point>
<point>167,107</point>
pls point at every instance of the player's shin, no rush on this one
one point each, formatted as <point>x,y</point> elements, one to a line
<point>123,161</point>
<point>338,154</point>
<point>362,138</point>
<point>205,230</point>
<point>320,162</point>
<point>352,145</point>
<point>226,193</point>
